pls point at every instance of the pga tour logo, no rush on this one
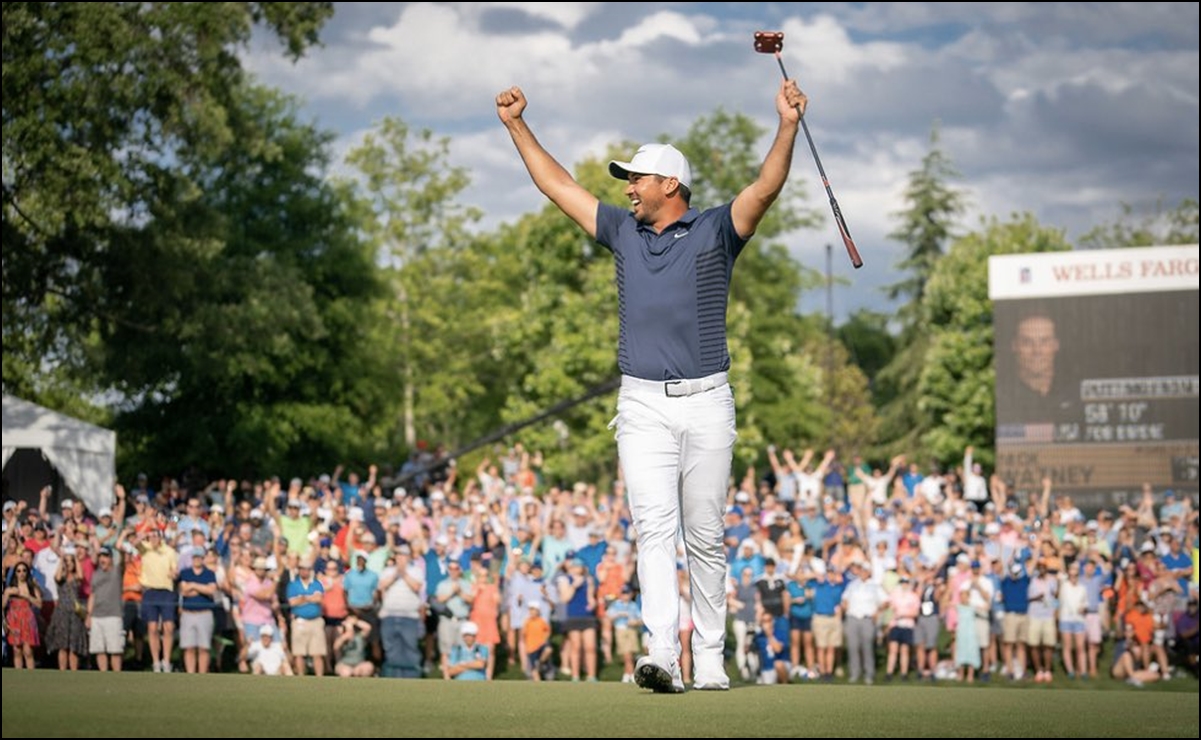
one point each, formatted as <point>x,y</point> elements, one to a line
<point>1026,275</point>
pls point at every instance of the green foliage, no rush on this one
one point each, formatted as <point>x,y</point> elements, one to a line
<point>411,215</point>
<point>925,227</point>
<point>957,382</point>
<point>926,224</point>
<point>170,244</point>
<point>1160,227</point>
<point>869,343</point>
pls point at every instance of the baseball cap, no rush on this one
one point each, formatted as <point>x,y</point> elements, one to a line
<point>260,563</point>
<point>106,550</point>
<point>1016,569</point>
<point>655,159</point>
<point>579,511</point>
<point>742,497</point>
<point>469,628</point>
<point>106,511</point>
<point>10,505</point>
<point>266,631</point>
<point>66,504</point>
<point>256,513</point>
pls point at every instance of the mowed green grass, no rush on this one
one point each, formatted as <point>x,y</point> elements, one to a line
<point>49,703</point>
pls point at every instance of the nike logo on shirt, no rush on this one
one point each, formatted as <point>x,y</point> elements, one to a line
<point>679,234</point>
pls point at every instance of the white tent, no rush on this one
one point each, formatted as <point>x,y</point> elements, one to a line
<point>82,453</point>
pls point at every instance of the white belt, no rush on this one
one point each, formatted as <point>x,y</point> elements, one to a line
<point>678,388</point>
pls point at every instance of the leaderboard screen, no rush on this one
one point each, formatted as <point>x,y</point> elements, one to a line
<point>1097,368</point>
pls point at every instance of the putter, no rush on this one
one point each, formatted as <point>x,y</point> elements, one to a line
<point>771,42</point>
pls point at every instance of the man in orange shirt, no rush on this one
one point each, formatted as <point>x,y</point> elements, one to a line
<point>131,600</point>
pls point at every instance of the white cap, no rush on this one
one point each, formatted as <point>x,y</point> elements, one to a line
<point>106,511</point>
<point>742,497</point>
<point>469,628</point>
<point>66,504</point>
<point>442,540</point>
<point>655,159</point>
<point>256,513</point>
<point>580,511</point>
<point>380,502</point>
<point>266,631</point>
<point>216,509</point>
<point>355,514</point>
<point>8,505</point>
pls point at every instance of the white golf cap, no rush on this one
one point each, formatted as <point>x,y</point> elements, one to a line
<point>469,628</point>
<point>655,159</point>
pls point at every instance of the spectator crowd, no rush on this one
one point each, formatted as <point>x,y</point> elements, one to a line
<point>842,570</point>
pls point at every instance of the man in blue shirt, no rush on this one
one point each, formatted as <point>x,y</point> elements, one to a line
<point>675,422</point>
<point>305,594</point>
<point>198,589</point>
<point>1015,599</point>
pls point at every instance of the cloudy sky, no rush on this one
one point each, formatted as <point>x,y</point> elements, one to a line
<point>1065,110</point>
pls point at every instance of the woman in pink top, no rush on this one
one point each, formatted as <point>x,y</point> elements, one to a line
<point>906,603</point>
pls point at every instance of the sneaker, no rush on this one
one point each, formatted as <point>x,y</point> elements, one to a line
<point>166,666</point>
<point>1132,681</point>
<point>660,676</point>
<point>157,667</point>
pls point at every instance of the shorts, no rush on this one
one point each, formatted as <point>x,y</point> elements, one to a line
<point>579,624</point>
<point>627,640</point>
<point>1041,632</point>
<point>533,658</point>
<point>106,636</point>
<point>1015,628</point>
<point>1071,626</point>
<point>196,630</point>
<point>1092,629</point>
<point>902,635</point>
<point>827,631</point>
<point>308,637</point>
<point>131,618</point>
<point>158,605</point>
<point>927,632</point>
<point>800,624</point>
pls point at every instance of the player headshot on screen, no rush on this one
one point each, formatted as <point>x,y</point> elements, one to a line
<point>1040,394</point>
<point>1035,345</point>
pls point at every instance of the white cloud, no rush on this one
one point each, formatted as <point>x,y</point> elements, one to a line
<point>1065,110</point>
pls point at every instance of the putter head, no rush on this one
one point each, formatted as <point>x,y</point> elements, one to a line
<point>769,42</point>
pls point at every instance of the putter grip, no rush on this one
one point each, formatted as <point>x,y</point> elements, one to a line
<point>856,260</point>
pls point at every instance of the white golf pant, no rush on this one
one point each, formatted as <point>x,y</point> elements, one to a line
<point>675,455</point>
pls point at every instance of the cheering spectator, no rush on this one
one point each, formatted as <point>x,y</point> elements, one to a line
<point>67,634</point>
<point>403,587</point>
<point>771,644</point>
<point>106,632</point>
<point>22,602</point>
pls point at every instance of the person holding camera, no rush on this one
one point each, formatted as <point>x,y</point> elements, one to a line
<point>350,649</point>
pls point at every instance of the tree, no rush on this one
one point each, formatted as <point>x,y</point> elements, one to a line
<point>958,383</point>
<point>104,103</point>
<point>245,350</point>
<point>870,344</point>
<point>926,225</point>
<point>1159,227</point>
<point>413,217</point>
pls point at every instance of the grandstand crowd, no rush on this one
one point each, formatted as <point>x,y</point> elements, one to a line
<point>836,569</point>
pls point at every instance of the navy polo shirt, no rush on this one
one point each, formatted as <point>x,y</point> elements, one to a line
<point>672,291</point>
